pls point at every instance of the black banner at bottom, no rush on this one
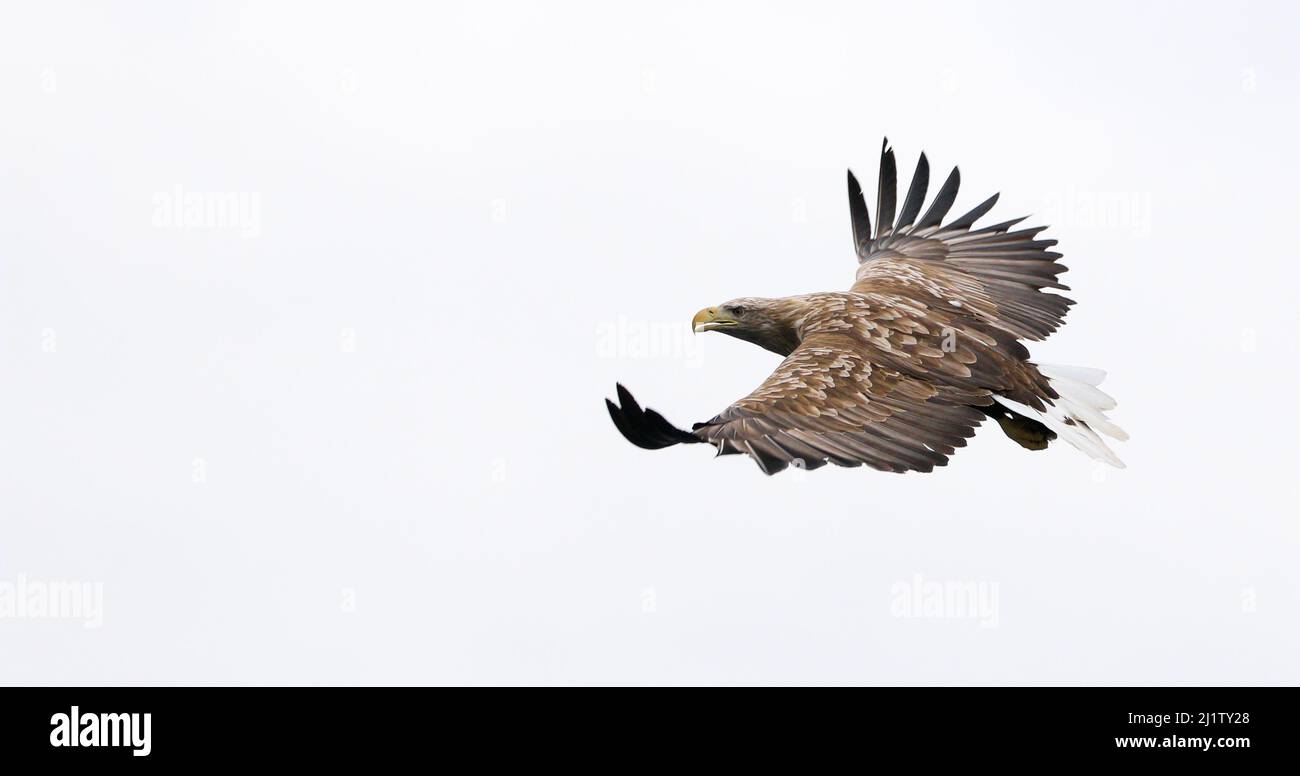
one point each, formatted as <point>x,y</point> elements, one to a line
<point>1170,726</point>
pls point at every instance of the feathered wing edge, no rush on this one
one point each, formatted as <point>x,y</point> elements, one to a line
<point>1013,266</point>
<point>846,410</point>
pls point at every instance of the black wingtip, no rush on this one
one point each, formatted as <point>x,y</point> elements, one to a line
<point>644,428</point>
<point>625,399</point>
<point>942,201</point>
<point>915,193</point>
<point>886,191</point>
<point>858,216</point>
<point>968,220</point>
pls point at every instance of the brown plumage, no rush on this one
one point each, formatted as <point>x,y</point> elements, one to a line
<point>897,372</point>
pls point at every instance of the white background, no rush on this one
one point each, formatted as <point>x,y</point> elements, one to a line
<point>366,443</point>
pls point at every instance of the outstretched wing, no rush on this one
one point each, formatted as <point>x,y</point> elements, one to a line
<point>996,273</point>
<point>827,402</point>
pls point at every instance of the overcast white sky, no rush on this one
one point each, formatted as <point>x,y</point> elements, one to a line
<point>352,430</point>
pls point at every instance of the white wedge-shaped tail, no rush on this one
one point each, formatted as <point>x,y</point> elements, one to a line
<point>1080,412</point>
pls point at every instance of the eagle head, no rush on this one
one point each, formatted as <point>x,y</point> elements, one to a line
<point>768,323</point>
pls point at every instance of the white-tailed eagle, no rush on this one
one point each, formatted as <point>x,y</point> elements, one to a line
<point>897,372</point>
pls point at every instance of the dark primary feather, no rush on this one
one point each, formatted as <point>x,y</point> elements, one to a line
<point>886,191</point>
<point>915,193</point>
<point>859,216</point>
<point>942,201</point>
<point>975,214</point>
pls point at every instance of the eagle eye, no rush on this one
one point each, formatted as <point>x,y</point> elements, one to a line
<point>738,310</point>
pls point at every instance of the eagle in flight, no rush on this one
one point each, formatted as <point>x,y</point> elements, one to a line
<point>897,372</point>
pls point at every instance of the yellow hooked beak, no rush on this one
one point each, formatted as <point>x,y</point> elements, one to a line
<point>711,318</point>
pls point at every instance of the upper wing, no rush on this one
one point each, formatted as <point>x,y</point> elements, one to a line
<point>827,402</point>
<point>995,273</point>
